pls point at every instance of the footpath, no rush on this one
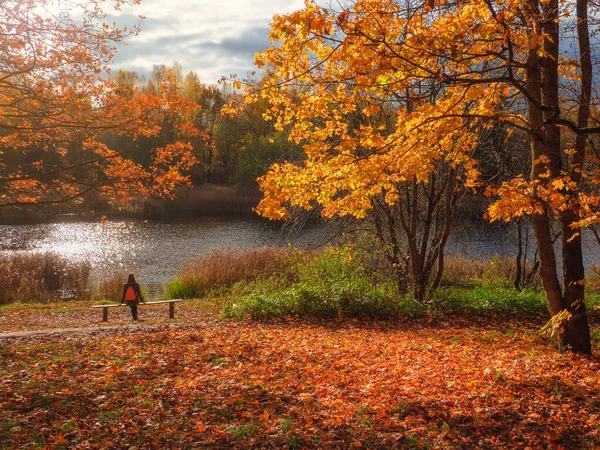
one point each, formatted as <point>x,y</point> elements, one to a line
<point>91,330</point>
<point>88,330</point>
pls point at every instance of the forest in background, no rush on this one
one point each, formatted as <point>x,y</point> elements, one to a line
<point>231,153</point>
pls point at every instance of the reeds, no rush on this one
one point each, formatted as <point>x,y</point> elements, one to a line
<point>42,277</point>
<point>464,269</point>
<point>221,269</point>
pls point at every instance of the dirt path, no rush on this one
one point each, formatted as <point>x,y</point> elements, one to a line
<point>82,330</point>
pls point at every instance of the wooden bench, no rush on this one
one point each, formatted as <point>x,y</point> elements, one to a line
<point>170,302</point>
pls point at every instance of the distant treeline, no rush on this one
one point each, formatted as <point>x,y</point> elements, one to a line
<point>231,154</point>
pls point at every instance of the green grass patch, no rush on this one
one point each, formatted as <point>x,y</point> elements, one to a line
<point>242,431</point>
<point>595,335</point>
<point>489,298</point>
<point>182,287</point>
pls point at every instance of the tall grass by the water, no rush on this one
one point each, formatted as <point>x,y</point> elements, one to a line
<point>460,269</point>
<point>221,269</point>
<point>42,278</point>
<point>110,287</point>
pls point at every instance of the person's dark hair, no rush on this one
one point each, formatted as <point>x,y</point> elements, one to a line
<point>131,278</point>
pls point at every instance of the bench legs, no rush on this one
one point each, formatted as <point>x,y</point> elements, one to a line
<point>171,310</point>
<point>104,314</point>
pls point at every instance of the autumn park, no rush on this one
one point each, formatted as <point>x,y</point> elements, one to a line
<point>378,228</point>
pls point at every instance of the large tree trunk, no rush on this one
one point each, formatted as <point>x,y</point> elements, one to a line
<point>540,148</point>
<point>542,74</point>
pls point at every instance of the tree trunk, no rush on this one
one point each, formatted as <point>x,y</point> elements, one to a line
<point>543,83</point>
<point>575,335</point>
<point>541,148</point>
<point>518,275</point>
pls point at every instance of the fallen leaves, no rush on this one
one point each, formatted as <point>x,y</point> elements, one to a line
<point>298,384</point>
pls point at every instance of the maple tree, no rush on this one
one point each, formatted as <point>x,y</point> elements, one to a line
<point>461,67</point>
<point>57,103</point>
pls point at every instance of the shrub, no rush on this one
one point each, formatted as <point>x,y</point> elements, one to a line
<point>489,298</point>
<point>328,285</point>
<point>324,301</point>
<point>41,278</point>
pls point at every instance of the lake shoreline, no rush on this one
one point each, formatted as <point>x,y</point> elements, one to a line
<point>208,200</point>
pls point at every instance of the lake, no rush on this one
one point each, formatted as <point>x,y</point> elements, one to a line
<point>155,251</point>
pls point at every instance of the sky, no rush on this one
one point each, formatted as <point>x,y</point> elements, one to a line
<point>210,37</point>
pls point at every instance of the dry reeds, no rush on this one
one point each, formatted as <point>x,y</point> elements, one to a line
<point>222,269</point>
<point>463,268</point>
<point>110,287</point>
<point>42,278</point>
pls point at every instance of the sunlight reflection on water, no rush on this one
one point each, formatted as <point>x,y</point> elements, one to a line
<point>154,251</point>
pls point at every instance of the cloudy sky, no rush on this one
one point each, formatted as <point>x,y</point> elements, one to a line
<point>212,38</point>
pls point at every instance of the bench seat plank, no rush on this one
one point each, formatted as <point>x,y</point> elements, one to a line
<point>116,305</point>
<point>170,302</point>
<point>164,301</point>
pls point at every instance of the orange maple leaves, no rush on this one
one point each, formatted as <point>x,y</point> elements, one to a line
<point>56,106</point>
<point>448,384</point>
<point>378,93</point>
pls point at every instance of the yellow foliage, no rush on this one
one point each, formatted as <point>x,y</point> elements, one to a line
<point>378,97</point>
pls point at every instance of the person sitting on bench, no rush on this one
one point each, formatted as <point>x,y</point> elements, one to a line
<point>132,295</point>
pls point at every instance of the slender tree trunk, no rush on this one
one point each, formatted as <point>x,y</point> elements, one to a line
<point>451,198</point>
<point>519,275</point>
<point>575,335</point>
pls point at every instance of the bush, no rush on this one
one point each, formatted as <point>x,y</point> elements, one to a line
<point>328,285</point>
<point>269,282</point>
<point>222,269</point>
<point>42,278</point>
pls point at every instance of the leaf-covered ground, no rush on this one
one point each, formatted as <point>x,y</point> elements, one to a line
<point>295,384</point>
<point>19,317</point>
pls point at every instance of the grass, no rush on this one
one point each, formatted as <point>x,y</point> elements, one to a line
<point>36,316</point>
<point>338,282</point>
<point>595,335</point>
<point>327,285</point>
<point>489,298</point>
<point>334,283</point>
<point>42,278</point>
<point>242,431</point>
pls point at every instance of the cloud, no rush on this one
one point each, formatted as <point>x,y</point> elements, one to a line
<point>250,41</point>
<point>210,38</point>
<point>211,59</point>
